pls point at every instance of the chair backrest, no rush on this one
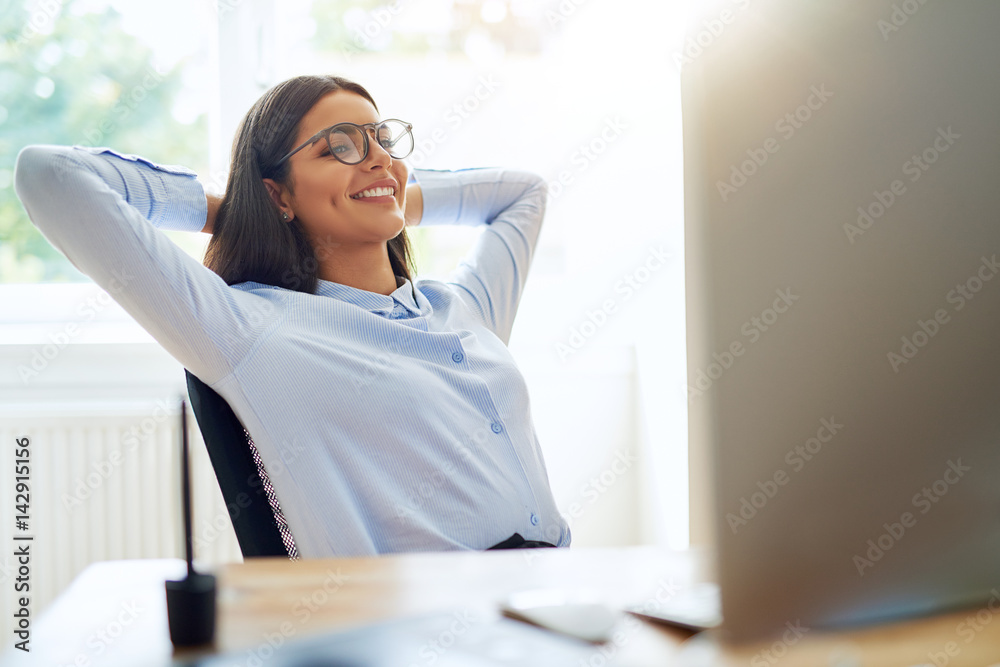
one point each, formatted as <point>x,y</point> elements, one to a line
<point>260,526</point>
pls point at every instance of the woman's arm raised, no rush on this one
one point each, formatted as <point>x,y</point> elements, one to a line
<point>414,205</point>
<point>104,211</point>
<point>512,204</point>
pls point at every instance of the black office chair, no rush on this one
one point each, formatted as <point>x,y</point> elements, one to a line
<point>260,526</point>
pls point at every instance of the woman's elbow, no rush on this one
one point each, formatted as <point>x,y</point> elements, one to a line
<point>37,168</point>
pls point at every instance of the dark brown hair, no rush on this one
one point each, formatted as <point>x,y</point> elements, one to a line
<point>249,239</point>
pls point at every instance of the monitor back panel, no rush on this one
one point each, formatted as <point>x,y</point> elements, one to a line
<point>842,167</point>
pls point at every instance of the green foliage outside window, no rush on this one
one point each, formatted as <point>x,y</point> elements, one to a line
<point>86,82</point>
<point>349,27</point>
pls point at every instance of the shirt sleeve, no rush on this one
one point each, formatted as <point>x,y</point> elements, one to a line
<point>491,277</point>
<point>104,212</point>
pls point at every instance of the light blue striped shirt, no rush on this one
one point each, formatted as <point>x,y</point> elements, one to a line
<point>386,423</point>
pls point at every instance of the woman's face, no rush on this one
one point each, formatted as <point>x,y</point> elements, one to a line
<point>325,195</point>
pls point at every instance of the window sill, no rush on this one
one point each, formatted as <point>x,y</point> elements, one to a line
<point>65,314</point>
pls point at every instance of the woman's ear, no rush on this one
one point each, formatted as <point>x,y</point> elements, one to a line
<point>280,196</point>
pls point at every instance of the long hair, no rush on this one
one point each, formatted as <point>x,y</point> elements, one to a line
<point>249,239</point>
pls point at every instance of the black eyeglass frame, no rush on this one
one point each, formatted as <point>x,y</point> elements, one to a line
<point>325,134</point>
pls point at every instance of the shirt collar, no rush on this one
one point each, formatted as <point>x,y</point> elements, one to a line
<point>400,304</point>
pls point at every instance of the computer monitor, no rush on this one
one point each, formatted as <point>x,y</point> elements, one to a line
<point>842,166</point>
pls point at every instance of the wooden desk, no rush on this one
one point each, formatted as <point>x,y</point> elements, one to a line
<point>114,614</point>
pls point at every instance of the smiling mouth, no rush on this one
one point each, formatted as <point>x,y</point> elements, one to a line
<point>375,192</point>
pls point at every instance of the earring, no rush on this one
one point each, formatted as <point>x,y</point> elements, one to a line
<point>284,217</point>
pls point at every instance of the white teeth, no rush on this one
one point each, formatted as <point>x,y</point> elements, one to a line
<point>374,192</point>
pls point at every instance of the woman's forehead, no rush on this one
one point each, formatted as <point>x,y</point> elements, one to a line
<point>340,106</point>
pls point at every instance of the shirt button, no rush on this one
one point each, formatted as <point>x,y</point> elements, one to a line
<point>457,357</point>
<point>534,519</point>
<point>496,427</point>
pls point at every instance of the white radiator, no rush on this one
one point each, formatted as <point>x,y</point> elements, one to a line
<point>105,485</point>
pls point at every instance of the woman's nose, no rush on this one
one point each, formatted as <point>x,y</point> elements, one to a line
<point>376,152</point>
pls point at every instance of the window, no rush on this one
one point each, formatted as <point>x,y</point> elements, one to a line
<point>128,75</point>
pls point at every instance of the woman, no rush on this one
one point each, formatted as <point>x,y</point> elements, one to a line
<point>389,414</point>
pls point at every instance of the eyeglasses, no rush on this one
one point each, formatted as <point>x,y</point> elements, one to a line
<point>348,142</point>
